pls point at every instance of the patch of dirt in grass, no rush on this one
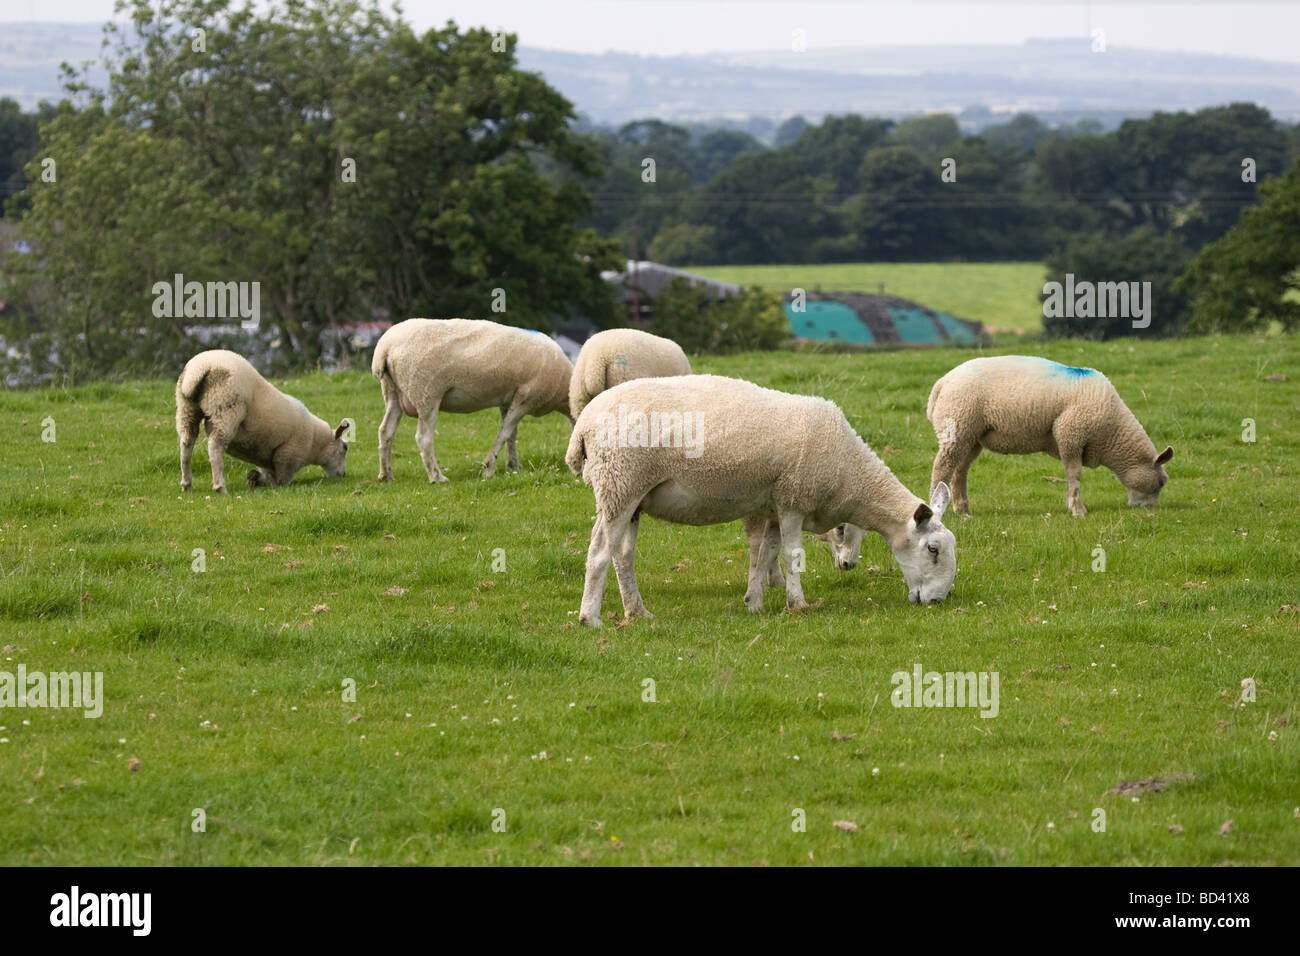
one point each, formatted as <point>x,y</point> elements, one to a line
<point>1133,788</point>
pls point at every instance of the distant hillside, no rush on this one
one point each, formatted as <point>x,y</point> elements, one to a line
<point>1051,77</point>
<point>1056,78</point>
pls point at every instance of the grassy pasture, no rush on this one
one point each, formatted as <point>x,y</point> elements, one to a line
<point>1002,295</point>
<point>476,690</point>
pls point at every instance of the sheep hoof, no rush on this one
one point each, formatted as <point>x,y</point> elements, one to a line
<point>754,607</point>
<point>439,479</point>
<point>639,612</point>
<point>590,621</point>
<point>801,606</point>
<point>1079,512</point>
<point>186,485</point>
<point>383,477</point>
<point>254,478</point>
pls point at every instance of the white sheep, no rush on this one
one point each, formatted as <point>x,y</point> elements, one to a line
<point>703,449</point>
<point>254,421</point>
<point>616,356</point>
<point>463,365</point>
<point>1017,404</point>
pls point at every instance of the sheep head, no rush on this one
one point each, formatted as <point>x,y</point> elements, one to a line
<point>927,551</point>
<point>336,454</point>
<point>1145,480</point>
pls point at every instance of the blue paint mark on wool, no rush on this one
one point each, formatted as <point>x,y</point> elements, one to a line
<point>1056,368</point>
<point>1072,370</point>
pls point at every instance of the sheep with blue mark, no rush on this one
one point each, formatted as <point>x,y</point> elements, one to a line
<point>1019,404</point>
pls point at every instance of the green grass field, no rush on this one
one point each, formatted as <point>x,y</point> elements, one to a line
<point>476,692</point>
<point>1005,296</point>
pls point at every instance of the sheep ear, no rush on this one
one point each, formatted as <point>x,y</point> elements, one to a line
<point>343,427</point>
<point>1165,455</point>
<point>923,514</point>
<point>939,500</point>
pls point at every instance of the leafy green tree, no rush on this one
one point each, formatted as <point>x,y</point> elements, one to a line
<point>683,244</point>
<point>789,131</point>
<point>19,140</point>
<point>765,207</point>
<point>898,204</point>
<point>1143,255</point>
<point>928,135</point>
<point>698,321</point>
<point>834,150</point>
<point>1251,276</point>
<point>633,197</point>
<point>717,149</point>
<point>1024,132</point>
<point>323,149</point>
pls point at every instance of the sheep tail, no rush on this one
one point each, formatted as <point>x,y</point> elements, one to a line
<point>934,400</point>
<point>577,453</point>
<point>379,361</point>
<point>190,387</point>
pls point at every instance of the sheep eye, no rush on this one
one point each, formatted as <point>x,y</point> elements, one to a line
<point>841,528</point>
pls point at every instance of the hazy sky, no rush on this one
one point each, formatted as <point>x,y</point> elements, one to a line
<point>1267,29</point>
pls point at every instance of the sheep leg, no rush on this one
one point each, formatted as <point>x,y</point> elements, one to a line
<point>512,453</point>
<point>756,532</point>
<point>216,448</point>
<point>958,482</point>
<point>622,536</point>
<point>951,461</point>
<point>281,472</point>
<point>187,428</point>
<point>424,428</point>
<point>388,429</point>
<point>1073,472</point>
<point>791,547</point>
<point>509,425</point>
<point>593,588</point>
<point>772,548</point>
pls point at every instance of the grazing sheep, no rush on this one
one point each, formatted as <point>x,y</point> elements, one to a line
<point>253,420</point>
<point>1016,404</point>
<point>703,449</point>
<point>619,355</point>
<point>463,365</point>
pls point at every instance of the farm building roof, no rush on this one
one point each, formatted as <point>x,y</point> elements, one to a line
<point>863,319</point>
<point>650,277</point>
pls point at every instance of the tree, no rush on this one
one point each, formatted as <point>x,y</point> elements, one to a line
<point>928,135</point>
<point>323,149</point>
<point>717,149</point>
<point>897,206</point>
<point>765,207</point>
<point>789,131</point>
<point>697,320</point>
<point>1143,255</point>
<point>19,141</point>
<point>1251,276</point>
<point>682,244</point>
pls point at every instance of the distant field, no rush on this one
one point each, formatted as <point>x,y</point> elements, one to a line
<point>1002,295</point>
<point>228,629</point>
